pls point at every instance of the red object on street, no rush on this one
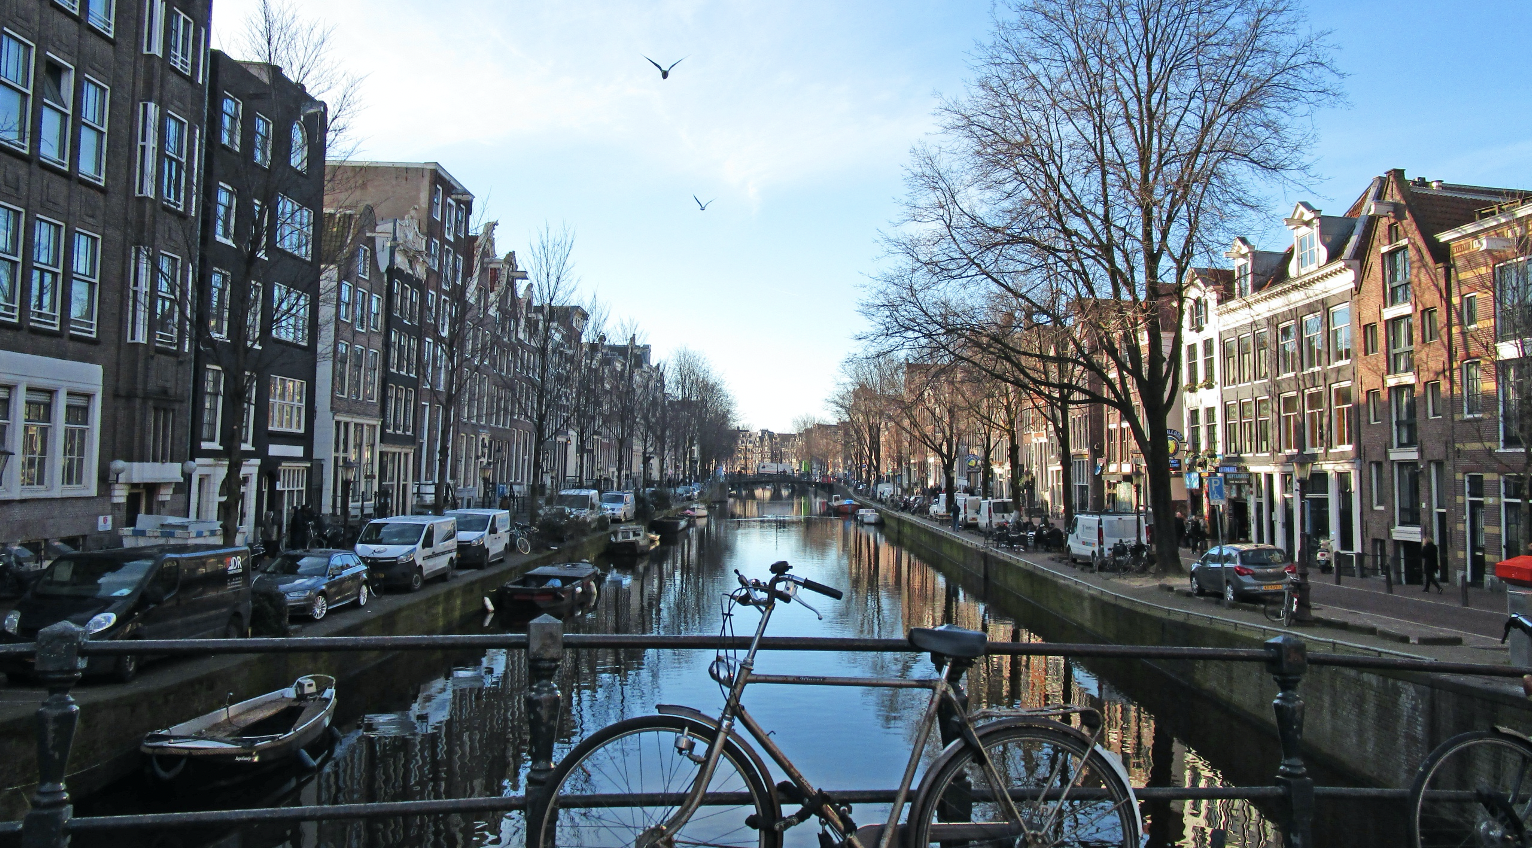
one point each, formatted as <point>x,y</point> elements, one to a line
<point>1517,571</point>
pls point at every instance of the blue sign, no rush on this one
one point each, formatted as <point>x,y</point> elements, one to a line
<point>1193,481</point>
<point>501,490</point>
<point>1215,489</point>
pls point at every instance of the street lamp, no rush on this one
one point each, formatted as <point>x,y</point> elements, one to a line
<point>188,470</point>
<point>1302,462</point>
<point>1138,484</point>
<point>485,471</point>
<point>347,477</point>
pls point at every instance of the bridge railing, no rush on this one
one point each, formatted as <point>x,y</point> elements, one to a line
<point>61,650</point>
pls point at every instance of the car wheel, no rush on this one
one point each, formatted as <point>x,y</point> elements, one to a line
<point>451,570</point>
<point>319,607</point>
<point>416,579</point>
<point>1229,595</point>
<point>363,595</point>
<point>235,629</point>
<point>126,668</point>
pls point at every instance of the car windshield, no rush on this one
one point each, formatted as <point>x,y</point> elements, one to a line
<point>92,577</point>
<point>1264,556</point>
<point>575,501</point>
<point>304,566</point>
<point>1001,506</point>
<point>472,523</point>
<point>612,497</point>
<point>390,534</point>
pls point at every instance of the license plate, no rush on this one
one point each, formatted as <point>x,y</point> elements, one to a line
<point>1272,587</point>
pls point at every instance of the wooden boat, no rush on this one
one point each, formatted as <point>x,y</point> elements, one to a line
<point>554,589</point>
<point>836,506</point>
<point>869,516</point>
<point>630,540</point>
<point>697,510</point>
<point>237,740</point>
<point>670,525</point>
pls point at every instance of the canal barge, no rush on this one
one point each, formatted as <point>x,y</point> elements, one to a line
<point>670,525</point>
<point>553,589</point>
<point>236,741</point>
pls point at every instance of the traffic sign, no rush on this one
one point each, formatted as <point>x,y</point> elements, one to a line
<point>1215,489</point>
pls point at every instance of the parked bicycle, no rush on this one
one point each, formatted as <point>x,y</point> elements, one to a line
<point>682,777</point>
<point>1286,611</point>
<point>1475,789</point>
<point>523,537</point>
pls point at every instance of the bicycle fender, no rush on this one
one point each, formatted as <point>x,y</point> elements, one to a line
<point>957,745</point>
<point>711,723</point>
<point>1514,734</point>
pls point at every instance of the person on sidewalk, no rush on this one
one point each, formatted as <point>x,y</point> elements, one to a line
<point>1429,564</point>
<point>1180,530</point>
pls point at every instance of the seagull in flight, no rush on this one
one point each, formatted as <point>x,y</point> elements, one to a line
<point>703,206</point>
<point>664,71</point>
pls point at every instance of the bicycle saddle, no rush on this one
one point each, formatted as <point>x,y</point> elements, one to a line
<point>949,641</point>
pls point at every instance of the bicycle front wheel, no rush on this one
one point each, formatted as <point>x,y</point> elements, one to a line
<point>1065,792</point>
<point>1475,789</point>
<point>595,791</point>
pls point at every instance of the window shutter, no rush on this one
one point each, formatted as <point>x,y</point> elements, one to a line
<point>154,27</point>
<point>148,126</point>
<point>193,169</point>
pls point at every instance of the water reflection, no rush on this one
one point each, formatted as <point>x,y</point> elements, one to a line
<point>446,726</point>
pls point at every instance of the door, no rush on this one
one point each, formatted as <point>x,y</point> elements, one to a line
<point>1475,541</point>
<point>160,604</point>
<point>351,573</point>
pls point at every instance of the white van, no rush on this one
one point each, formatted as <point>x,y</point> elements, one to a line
<point>1092,534</point>
<point>938,508</point>
<point>970,507</point>
<point>582,502</point>
<point>483,535</point>
<point>408,550</point>
<point>996,511</point>
<point>619,506</point>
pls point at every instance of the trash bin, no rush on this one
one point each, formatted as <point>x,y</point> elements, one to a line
<point>1517,574</point>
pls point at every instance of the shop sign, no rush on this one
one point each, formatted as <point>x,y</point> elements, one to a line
<point>1193,481</point>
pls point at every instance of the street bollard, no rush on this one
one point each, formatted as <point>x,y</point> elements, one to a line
<point>58,666</point>
<point>545,652</point>
<point>1287,660</point>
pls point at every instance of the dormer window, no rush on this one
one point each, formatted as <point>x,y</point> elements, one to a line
<point>1308,250</point>
<point>1242,279</point>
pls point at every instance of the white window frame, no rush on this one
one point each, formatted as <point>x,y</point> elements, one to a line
<point>363,260</point>
<point>298,149</point>
<point>101,15</point>
<point>343,302</point>
<point>12,228</point>
<point>182,46</point>
<point>139,284</point>
<point>218,303</point>
<point>174,196</point>
<point>228,135</point>
<point>64,112</point>
<point>261,145</point>
<point>290,315</point>
<point>1306,250</point>
<point>23,88</point>
<point>167,299</point>
<point>63,380</point>
<point>295,227</point>
<point>40,313</point>
<point>95,128</point>
<point>216,411</point>
<point>148,156</point>
<point>225,209</point>
<point>88,276</point>
<point>287,405</point>
<point>342,367</point>
<point>436,203</point>
<point>154,27</point>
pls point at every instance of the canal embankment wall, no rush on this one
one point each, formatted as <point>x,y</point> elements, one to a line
<point>115,717</point>
<point>1373,725</point>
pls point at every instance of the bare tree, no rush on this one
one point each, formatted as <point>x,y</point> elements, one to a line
<point>552,284</point>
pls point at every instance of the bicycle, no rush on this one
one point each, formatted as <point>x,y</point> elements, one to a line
<point>1475,789</point>
<point>1287,611</point>
<point>642,782</point>
<point>522,535</point>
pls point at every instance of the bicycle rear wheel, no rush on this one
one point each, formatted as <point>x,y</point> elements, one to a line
<point>1475,789</point>
<point>652,755</point>
<point>1065,791</point>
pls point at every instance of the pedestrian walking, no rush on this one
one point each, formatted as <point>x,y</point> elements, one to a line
<point>271,533</point>
<point>1429,565</point>
<point>1180,530</point>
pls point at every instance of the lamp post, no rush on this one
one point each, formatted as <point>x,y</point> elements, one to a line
<point>486,470</point>
<point>1302,462</point>
<point>188,470</point>
<point>1138,516</point>
<point>347,477</point>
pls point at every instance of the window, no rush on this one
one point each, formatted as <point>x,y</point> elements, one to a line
<point>218,303</point>
<point>433,251</point>
<point>101,14</point>
<point>1401,345</point>
<point>1473,390</point>
<point>1369,339</point>
<point>343,302</point>
<point>183,43</point>
<point>361,309</point>
<point>223,214</point>
<point>298,152</point>
<point>1340,427</point>
<point>53,127</point>
<point>1246,426</point>
<point>1263,425</point>
<point>1429,330</point>
<point>451,215</point>
<point>1231,429</point>
<point>1262,354</point>
<point>342,352</point>
<point>1340,333</point>
<point>290,315</point>
<point>1375,475</point>
<point>91,158</point>
<point>36,437</point>
<point>372,375</point>
<point>462,219</point>
<point>261,147</point>
<point>285,412</point>
<point>154,27</point>
<point>76,438</point>
<point>1313,341</point>
<point>358,355</point>
<point>228,123</point>
<point>1434,399</point>
<point>1513,299</point>
<point>436,203</point>
<point>15,89</point>
<point>1407,494</point>
<point>84,282</point>
<point>1230,361</point>
<point>295,226</point>
<point>1290,434</point>
<point>47,262</point>
<point>1246,359</point>
<point>377,313</point>
<point>1396,276</point>
<point>1210,428</point>
<point>1374,406</point>
<point>148,124</point>
<point>167,296</point>
<point>1191,365</point>
<point>363,262</point>
<point>1287,349</point>
<point>173,163</point>
<point>138,295</point>
<point>1401,403</point>
<point>1314,418</point>
<point>1470,310</point>
<point>10,264</point>
<point>260,227</point>
<point>1308,250</point>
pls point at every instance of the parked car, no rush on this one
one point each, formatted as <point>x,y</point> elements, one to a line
<point>1247,570</point>
<point>407,550</point>
<point>483,535</point>
<point>315,581</point>
<point>1092,534</point>
<point>153,592</point>
<point>619,506</point>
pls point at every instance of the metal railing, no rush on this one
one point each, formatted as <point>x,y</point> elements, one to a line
<point>61,650</point>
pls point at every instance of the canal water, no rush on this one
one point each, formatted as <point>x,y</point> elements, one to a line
<point>443,725</point>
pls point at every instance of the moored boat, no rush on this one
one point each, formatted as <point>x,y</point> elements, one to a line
<point>629,540</point>
<point>240,739</point>
<point>869,516</point>
<point>554,589</point>
<point>697,510</point>
<point>670,525</point>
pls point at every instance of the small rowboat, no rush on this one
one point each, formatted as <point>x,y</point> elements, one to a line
<point>554,589</point>
<point>240,739</point>
<point>670,524</point>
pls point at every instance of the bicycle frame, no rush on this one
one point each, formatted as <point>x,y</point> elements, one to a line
<point>815,801</point>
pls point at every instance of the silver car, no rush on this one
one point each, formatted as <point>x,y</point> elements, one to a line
<point>1241,571</point>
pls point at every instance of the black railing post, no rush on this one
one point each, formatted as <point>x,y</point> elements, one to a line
<point>545,652</point>
<point>1287,661</point>
<point>58,666</point>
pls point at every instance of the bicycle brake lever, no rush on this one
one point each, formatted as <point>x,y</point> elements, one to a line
<point>799,599</point>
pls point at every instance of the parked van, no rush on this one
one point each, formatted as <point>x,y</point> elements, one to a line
<point>938,507</point>
<point>1092,534</point>
<point>483,535</point>
<point>970,507</point>
<point>154,592</point>
<point>581,502</point>
<point>408,550</point>
<point>996,511</point>
<point>619,506</point>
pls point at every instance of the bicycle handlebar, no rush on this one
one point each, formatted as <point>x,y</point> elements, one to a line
<point>827,591</point>
<point>1518,621</point>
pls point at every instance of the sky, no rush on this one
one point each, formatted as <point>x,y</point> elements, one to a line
<point>794,120</point>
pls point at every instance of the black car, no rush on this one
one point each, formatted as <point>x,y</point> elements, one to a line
<point>316,580</point>
<point>156,592</point>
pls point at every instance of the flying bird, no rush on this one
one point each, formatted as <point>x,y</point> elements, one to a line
<point>665,72</point>
<point>703,206</point>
